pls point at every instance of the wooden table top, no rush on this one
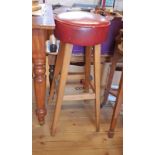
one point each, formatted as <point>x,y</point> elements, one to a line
<point>45,20</point>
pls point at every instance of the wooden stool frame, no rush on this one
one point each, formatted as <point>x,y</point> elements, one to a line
<point>61,68</point>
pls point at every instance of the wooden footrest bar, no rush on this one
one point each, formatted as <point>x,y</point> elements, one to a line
<point>84,96</point>
<point>113,92</point>
<point>75,77</point>
<point>92,85</point>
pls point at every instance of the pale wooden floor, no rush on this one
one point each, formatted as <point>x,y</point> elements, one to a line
<point>76,131</point>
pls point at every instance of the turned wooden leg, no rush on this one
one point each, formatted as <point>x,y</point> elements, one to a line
<point>57,70</point>
<point>117,109</point>
<point>97,71</point>
<point>114,61</point>
<point>87,67</point>
<point>39,69</point>
<point>40,88</point>
<point>61,87</point>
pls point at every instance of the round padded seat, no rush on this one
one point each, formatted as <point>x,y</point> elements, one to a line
<point>81,28</point>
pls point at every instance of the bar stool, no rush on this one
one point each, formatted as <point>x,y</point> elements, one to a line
<point>118,54</point>
<point>85,29</point>
<point>114,61</point>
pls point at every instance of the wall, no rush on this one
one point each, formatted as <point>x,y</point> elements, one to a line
<point>118,3</point>
<point>70,2</point>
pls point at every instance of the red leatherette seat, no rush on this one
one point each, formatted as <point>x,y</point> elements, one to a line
<point>81,28</point>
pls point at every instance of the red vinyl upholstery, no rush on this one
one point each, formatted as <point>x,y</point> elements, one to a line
<point>81,28</point>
